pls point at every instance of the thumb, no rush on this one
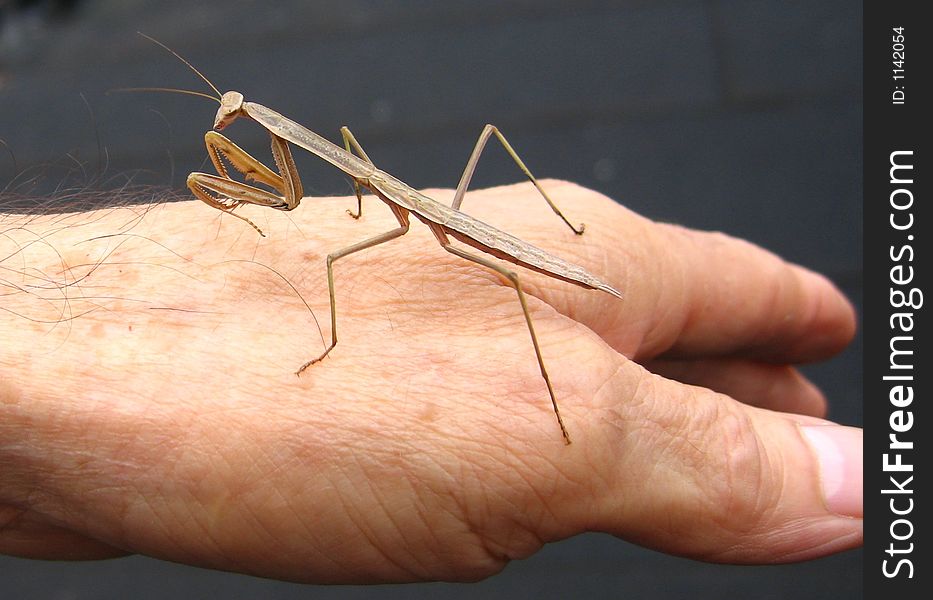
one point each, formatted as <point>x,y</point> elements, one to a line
<point>705,476</point>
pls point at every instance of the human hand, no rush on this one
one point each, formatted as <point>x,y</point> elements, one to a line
<point>165,418</point>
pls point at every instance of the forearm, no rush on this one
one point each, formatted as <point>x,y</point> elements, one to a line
<point>95,292</point>
<point>125,292</point>
<point>123,330</point>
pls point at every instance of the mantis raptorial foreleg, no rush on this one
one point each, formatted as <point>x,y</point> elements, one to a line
<point>349,141</point>
<point>512,277</point>
<point>220,147</point>
<point>470,168</point>
<point>402,216</point>
<point>226,194</point>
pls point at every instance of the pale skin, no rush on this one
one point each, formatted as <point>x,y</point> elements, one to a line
<point>169,420</point>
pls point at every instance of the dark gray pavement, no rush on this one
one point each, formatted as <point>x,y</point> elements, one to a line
<point>738,115</point>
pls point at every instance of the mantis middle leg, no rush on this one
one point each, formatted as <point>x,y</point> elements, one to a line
<point>402,216</point>
<point>349,141</point>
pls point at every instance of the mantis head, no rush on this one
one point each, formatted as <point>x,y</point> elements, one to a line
<point>231,107</point>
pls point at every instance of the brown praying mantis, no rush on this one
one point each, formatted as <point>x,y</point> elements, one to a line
<point>445,222</point>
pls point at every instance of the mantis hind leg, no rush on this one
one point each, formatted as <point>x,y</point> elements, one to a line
<point>489,131</point>
<point>512,277</point>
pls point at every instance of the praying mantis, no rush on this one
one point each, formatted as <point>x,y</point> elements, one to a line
<point>226,194</point>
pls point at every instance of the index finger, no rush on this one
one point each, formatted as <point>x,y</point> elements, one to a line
<point>686,293</point>
<point>726,296</point>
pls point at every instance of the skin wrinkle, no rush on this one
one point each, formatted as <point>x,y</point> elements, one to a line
<point>327,550</point>
<point>792,532</point>
<point>686,321</point>
<point>376,496</point>
<point>449,557</point>
<point>626,427</point>
<point>176,460</point>
<point>766,509</point>
<point>789,291</point>
<point>809,314</point>
<point>663,427</point>
<point>281,501</point>
<point>742,471</point>
<point>210,544</point>
<point>593,464</point>
<point>218,498</point>
<point>816,309</point>
<point>529,519</point>
<point>478,504</point>
<point>373,535</point>
<point>254,512</point>
<point>419,569</point>
<point>667,279</point>
<point>396,530</point>
<point>361,527</point>
<point>24,538</point>
<point>29,487</point>
<point>11,519</point>
<point>498,534</point>
<point>773,476</point>
<point>782,288</point>
<point>142,510</point>
<point>765,385</point>
<point>421,508</point>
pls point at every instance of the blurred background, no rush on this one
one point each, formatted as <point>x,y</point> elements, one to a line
<point>737,115</point>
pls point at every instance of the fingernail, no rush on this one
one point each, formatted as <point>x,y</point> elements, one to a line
<point>838,451</point>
